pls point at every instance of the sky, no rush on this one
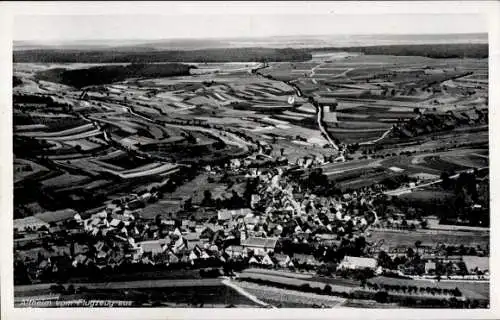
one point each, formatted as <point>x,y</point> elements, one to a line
<point>60,28</point>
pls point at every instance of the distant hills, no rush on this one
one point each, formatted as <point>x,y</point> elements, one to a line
<point>268,42</point>
<point>273,49</point>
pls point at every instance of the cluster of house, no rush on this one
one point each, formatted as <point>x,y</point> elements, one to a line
<point>278,210</point>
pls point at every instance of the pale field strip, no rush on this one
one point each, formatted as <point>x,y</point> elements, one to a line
<point>294,281</point>
<point>129,284</point>
<point>79,136</point>
<point>39,134</point>
<point>282,295</point>
<point>84,144</point>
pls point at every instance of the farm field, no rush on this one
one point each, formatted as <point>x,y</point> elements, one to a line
<point>179,292</point>
<point>473,290</point>
<point>184,173</point>
<point>339,287</point>
<point>287,298</point>
<point>431,237</point>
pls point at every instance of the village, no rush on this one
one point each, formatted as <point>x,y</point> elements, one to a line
<point>280,224</point>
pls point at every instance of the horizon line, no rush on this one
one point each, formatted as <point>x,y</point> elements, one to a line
<point>245,37</point>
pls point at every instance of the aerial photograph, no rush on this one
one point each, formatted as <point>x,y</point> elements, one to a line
<point>251,161</point>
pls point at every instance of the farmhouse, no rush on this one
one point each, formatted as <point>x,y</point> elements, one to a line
<point>260,246</point>
<point>235,251</point>
<point>354,263</point>
<point>430,267</point>
<point>305,259</point>
<point>283,260</point>
<point>224,215</point>
<point>154,246</point>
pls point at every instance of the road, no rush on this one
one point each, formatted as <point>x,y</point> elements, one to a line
<point>319,111</point>
<point>235,140</point>
<point>322,128</point>
<point>378,139</point>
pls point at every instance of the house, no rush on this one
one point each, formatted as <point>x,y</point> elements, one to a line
<point>356,263</point>
<point>283,260</point>
<point>114,223</point>
<point>430,267</point>
<point>267,261</point>
<point>235,251</point>
<point>154,246</point>
<point>195,253</point>
<point>80,260</point>
<point>168,224</point>
<point>191,236</point>
<point>224,215</point>
<point>235,163</point>
<point>207,233</point>
<point>172,258</point>
<point>260,246</point>
<point>254,260</point>
<point>188,224</point>
<point>305,259</point>
<point>198,253</point>
<point>77,217</point>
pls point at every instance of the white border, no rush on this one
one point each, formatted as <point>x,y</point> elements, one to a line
<point>489,9</point>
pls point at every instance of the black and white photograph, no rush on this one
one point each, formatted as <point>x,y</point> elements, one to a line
<point>193,158</point>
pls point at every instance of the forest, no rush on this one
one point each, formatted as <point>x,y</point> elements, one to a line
<point>131,56</point>
<point>80,78</point>
<point>436,51</point>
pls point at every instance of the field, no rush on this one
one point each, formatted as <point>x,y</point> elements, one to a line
<point>430,237</point>
<point>289,299</point>
<point>158,132</point>
<point>340,286</point>
<point>472,290</point>
<point>174,293</point>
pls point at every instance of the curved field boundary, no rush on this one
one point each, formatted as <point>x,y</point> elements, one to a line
<point>54,135</point>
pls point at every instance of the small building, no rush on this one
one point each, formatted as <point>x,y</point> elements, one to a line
<point>283,260</point>
<point>356,263</point>
<point>154,246</point>
<point>260,246</point>
<point>235,251</point>
<point>224,215</point>
<point>254,260</point>
<point>305,259</point>
<point>430,267</point>
<point>267,261</point>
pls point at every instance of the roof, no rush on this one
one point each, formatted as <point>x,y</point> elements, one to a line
<point>224,215</point>
<point>151,246</point>
<point>234,249</point>
<point>360,262</point>
<point>302,256</point>
<point>56,216</point>
<point>191,236</point>
<point>281,257</point>
<point>472,262</point>
<point>260,242</point>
